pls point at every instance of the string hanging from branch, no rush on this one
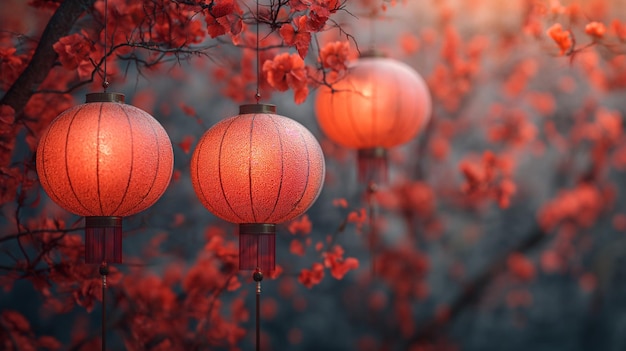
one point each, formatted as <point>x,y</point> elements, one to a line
<point>258,184</point>
<point>104,160</point>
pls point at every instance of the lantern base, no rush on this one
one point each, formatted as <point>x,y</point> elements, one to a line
<point>257,247</point>
<point>372,165</point>
<point>103,239</point>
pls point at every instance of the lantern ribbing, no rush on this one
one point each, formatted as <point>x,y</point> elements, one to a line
<point>257,167</point>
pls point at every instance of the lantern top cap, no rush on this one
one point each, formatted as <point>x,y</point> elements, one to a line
<point>372,53</point>
<point>257,108</point>
<point>105,97</point>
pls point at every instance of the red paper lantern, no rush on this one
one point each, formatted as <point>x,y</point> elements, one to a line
<point>104,160</point>
<point>257,169</point>
<point>379,103</point>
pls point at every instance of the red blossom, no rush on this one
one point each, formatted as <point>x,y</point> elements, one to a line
<point>15,331</point>
<point>277,272</point>
<point>297,35</point>
<point>451,79</point>
<point>337,264</point>
<point>512,127</point>
<point>452,41</point>
<point>319,246</point>
<point>296,247</point>
<point>11,65</point>
<point>188,110</point>
<point>519,79</point>
<point>609,125</point>
<point>543,103</point>
<point>224,250</point>
<point>299,5</point>
<point>185,144</point>
<point>300,225</point>
<point>595,29</point>
<point>334,56</point>
<point>521,267</point>
<point>73,50</point>
<point>324,8</point>
<point>562,38</point>
<point>581,205</point>
<point>551,261</point>
<point>288,71</point>
<point>358,217</point>
<point>343,203</point>
<point>319,11</point>
<point>15,320</point>
<point>224,18</point>
<point>7,118</point>
<point>410,43</point>
<point>312,277</point>
<point>395,264</point>
<point>618,29</point>
<point>221,8</point>
<point>491,178</point>
<point>48,343</point>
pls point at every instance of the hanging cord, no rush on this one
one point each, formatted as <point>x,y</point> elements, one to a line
<point>104,271</point>
<point>105,82</point>
<point>258,277</point>
<point>371,190</point>
<point>372,41</point>
<point>257,96</point>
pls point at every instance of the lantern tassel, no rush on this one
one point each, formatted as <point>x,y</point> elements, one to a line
<point>257,247</point>
<point>372,165</point>
<point>103,239</point>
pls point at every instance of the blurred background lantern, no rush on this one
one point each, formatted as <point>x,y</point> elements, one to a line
<point>257,169</point>
<point>378,104</point>
<point>104,160</point>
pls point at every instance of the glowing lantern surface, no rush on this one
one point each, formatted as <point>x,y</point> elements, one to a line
<point>380,103</point>
<point>104,160</point>
<point>257,169</point>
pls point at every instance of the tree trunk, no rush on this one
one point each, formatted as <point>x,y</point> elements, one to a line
<point>44,57</point>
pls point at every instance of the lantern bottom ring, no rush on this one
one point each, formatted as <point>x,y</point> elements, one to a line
<point>374,152</point>
<point>257,228</point>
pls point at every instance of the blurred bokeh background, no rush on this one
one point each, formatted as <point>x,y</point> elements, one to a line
<point>502,226</point>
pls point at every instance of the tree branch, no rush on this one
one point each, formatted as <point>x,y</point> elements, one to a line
<point>39,231</point>
<point>473,290</point>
